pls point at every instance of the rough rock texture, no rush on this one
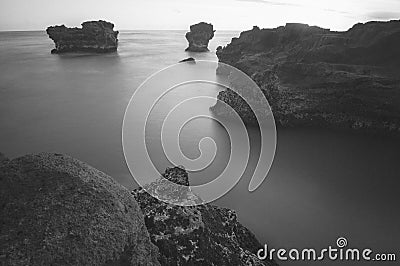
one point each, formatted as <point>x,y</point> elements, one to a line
<point>316,77</point>
<point>195,235</point>
<point>56,210</point>
<point>199,36</point>
<point>3,159</point>
<point>94,36</point>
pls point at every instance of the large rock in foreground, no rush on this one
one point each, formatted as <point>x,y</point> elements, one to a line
<point>195,235</point>
<point>94,36</point>
<point>199,36</point>
<point>316,77</point>
<point>56,210</point>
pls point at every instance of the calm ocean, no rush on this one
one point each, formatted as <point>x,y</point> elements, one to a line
<point>322,185</point>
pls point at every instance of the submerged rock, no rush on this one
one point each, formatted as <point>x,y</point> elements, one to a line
<point>199,36</point>
<point>94,36</point>
<point>317,77</point>
<point>56,210</point>
<point>194,235</point>
<point>189,59</point>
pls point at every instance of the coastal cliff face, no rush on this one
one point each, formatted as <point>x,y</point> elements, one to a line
<point>195,235</point>
<point>199,36</point>
<point>316,77</point>
<point>56,210</point>
<point>94,36</point>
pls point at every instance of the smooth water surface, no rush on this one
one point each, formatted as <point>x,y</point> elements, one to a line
<point>322,185</point>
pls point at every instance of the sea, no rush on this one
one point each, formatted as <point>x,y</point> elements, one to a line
<point>323,184</point>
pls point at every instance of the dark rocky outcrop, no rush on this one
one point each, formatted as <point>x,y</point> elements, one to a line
<point>56,210</point>
<point>194,235</point>
<point>189,59</point>
<point>199,36</point>
<point>94,36</point>
<point>316,77</point>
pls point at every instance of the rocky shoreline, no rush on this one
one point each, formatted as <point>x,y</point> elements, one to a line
<point>58,210</point>
<point>94,36</point>
<point>316,77</point>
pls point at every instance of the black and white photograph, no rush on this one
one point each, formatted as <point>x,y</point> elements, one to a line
<point>214,132</point>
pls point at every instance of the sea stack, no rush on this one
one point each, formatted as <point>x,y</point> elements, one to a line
<point>94,36</point>
<point>199,36</point>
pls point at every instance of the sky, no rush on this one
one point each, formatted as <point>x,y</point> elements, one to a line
<point>179,14</point>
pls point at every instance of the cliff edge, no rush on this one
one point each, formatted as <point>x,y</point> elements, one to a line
<point>317,77</point>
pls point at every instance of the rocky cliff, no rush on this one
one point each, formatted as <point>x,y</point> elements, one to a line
<point>199,36</point>
<point>317,77</point>
<point>94,36</point>
<point>56,210</point>
<point>195,235</point>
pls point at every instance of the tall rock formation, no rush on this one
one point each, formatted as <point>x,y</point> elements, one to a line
<point>317,77</point>
<point>94,36</point>
<point>199,36</point>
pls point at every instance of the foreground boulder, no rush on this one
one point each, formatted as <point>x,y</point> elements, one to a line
<point>94,36</point>
<point>56,210</point>
<point>316,77</point>
<point>194,235</point>
<point>199,36</point>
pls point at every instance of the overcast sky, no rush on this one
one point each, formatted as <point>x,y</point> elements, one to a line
<point>179,14</point>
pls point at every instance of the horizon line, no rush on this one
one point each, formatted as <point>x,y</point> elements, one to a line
<point>123,30</point>
<point>237,30</point>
